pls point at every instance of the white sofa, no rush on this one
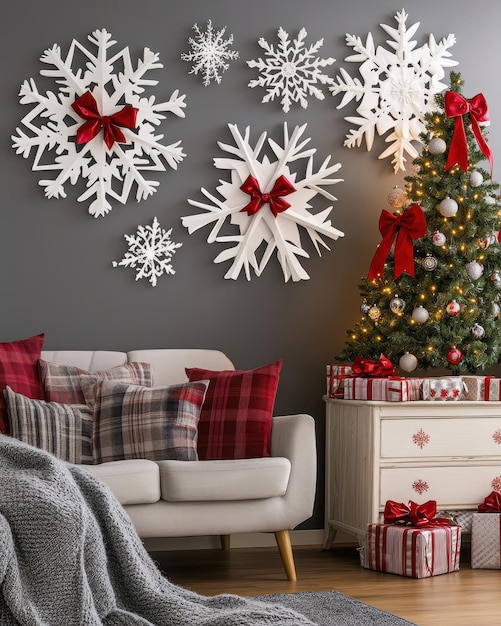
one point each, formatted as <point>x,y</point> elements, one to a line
<point>193,498</point>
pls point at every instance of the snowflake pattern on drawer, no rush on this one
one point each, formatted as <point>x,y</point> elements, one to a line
<point>497,436</point>
<point>420,486</point>
<point>496,484</point>
<point>421,438</point>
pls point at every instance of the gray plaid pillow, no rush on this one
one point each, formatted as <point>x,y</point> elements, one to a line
<point>64,430</point>
<point>135,422</point>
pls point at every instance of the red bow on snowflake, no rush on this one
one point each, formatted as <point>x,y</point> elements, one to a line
<point>491,504</point>
<point>417,515</point>
<point>406,227</point>
<point>476,107</point>
<point>282,187</point>
<point>86,107</point>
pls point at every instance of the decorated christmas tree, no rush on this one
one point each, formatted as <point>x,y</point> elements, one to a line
<point>433,290</point>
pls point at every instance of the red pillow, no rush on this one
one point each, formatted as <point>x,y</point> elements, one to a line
<point>236,417</point>
<point>19,371</point>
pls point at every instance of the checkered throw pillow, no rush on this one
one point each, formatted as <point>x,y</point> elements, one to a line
<point>63,383</point>
<point>134,422</point>
<point>62,429</point>
<point>18,370</point>
<point>237,414</point>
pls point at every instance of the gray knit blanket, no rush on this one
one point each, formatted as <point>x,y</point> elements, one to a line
<point>69,556</point>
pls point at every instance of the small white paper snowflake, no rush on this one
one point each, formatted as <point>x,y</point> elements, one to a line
<point>150,250</point>
<point>291,71</point>
<point>398,88</point>
<point>209,53</point>
<point>98,126</point>
<point>268,203</point>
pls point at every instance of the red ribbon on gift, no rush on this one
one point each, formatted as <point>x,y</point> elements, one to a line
<point>86,107</point>
<point>476,107</point>
<point>368,368</point>
<point>491,504</point>
<point>418,515</point>
<point>282,187</point>
<point>406,227</point>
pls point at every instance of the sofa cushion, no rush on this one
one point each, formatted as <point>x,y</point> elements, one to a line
<point>63,383</point>
<point>236,417</point>
<point>240,479</point>
<point>135,481</point>
<point>135,422</point>
<point>62,429</point>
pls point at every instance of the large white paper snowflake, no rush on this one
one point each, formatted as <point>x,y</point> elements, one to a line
<point>150,250</point>
<point>64,128</point>
<point>209,53</point>
<point>291,71</point>
<point>267,203</point>
<point>398,88</point>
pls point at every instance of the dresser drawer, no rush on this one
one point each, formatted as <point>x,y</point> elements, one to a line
<point>439,437</point>
<point>457,486</point>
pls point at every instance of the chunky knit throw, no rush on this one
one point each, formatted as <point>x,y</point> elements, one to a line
<point>69,556</point>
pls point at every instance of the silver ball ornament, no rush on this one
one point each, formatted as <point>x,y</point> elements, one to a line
<point>476,179</point>
<point>430,263</point>
<point>448,207</point>
<point>364,307</point>
<point>496,309</point>
<point>408,362</point>
<point>437,146</point>
<point>478,331</point>
<point>397,305</point>
<point>474,270</point>
<point>420,314</point>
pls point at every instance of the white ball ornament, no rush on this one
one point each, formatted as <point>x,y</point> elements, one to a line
<point>437,146</point>
<point>439,238</point>
<point>478,331</point>
<point>474,270</point>
<point>420,314</point>
<point>453,308</point>
<point>490,200</point>
<point>408,362</point>
<point>496,279</point>
<point>448,207</point>
<point>496,309</point>
<point>476,179</point>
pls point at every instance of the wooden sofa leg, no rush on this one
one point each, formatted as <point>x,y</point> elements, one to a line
<point>285,549</point>
<point>225,541</point>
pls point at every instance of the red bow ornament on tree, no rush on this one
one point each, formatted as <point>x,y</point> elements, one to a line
<point>491,504</point>
<point>406,227</point>
<point>417,515</point>
<point>86,107</point>
<point>457,106</point>
<point>282,187</point>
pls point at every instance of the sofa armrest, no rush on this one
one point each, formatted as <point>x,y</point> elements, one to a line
<point>293,437</point>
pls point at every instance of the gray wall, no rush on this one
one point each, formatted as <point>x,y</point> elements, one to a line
<point>56,274</point>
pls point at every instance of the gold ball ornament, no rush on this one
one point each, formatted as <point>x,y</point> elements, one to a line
<point>374,313</point>
<point>408,362</point>
<point>397,198</point>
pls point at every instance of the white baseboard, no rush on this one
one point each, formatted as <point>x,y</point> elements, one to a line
<point>244,540</point>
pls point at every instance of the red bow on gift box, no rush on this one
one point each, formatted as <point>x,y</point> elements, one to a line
<point>418,515</point>
<point>491,504</point>
<point>368,368</point>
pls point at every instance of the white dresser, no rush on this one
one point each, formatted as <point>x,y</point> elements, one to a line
<point>378,451</point>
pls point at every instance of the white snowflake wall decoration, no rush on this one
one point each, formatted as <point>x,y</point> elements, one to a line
<point>150,251</point>
<point>267,204</point>
<point>291,71</point>
<point>210,53</point>
<point>98,126</point>
<point>397,88</point>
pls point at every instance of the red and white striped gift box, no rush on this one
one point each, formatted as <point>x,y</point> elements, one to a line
<point>486,541</point>
<point>392,389</point>
<point>492,389</point>
<point>335,376</point>
<point>410,551</point>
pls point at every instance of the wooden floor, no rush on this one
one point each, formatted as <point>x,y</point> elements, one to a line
<point>465,598</point>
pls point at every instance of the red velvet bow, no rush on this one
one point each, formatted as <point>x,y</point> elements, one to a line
<point>282,187</point>
<point>86,107</point>
<point>408,226</point>
<point>367,368</point>
<point>418,515</point>
<point>491,504</point>
<point>457,106</point>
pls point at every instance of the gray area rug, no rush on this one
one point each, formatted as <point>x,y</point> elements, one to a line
<point>331,608</point>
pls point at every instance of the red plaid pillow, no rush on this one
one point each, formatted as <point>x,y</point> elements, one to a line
<point>18,370</point>
<point>237,412</point>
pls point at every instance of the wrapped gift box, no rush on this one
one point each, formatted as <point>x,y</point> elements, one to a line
<point>335,376</point>
<point>486,541</point>
<point>462,518</point>
<point>492,389</point>
<point>392,389</point>
<point>410,551</point>
<point>444,388</point>
<point>474,388</point>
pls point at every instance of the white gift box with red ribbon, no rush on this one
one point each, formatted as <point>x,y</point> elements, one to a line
<point>486,541</point>
<point>410,551</point>
<point>335,377</point>
<point>492,389</point>
<point>391,389</point>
